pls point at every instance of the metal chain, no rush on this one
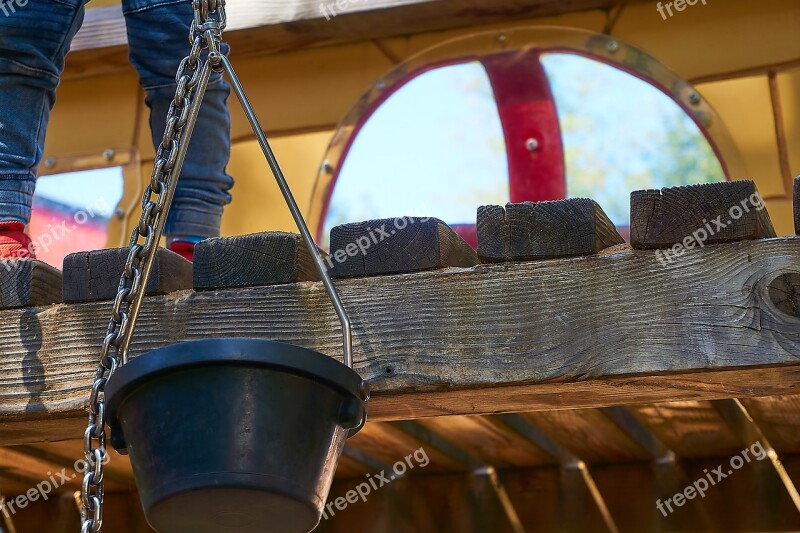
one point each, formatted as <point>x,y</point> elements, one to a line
<point>191,78</point>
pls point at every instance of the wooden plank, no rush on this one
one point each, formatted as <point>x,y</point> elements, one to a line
<point>94,275</point>
<point>396,245</point>
<point>28,283</point>
<point>691,429</point>
<point>489,441</point>
<point>589,434</point>
<point>779,419</point>
<point>544,230</point>
<point>797,205</point>
<point>254,260</point>
<point>272,27</point>
<point>388,444</point>
<point>463,341</point>
<point>697,215</point>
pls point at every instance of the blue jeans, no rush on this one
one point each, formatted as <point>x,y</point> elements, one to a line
<point>35,38</point>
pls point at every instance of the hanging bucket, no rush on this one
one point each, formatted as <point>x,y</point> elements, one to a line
<point>234,435</point>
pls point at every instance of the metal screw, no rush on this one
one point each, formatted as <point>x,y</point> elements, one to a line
<point>119,213</point>
<point>612,46</point>
<point>532,144</point>
<point>380,85</point>
<point>502,38</point>
<point>108,154</point>
<point>50,162</point>
<point>694,98</point>
<point>327,167</point>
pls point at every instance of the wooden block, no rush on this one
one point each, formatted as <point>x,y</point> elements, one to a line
<point>396,245</point>
<point>544,230</point>
<point>797,205</point>
<point>92,276</point>
<point>695,215</point>
<point>254,260</point>
<point>28,283</point>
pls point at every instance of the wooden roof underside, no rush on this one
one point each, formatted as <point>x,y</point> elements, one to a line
<point>269,27</point>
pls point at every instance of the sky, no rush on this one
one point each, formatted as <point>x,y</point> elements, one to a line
<point>436,148</point>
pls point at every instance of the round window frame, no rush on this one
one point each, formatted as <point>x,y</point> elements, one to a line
<point>544,39</point>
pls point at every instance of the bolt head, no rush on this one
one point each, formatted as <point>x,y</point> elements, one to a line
<point>108,154</point>
<point>50,162</point>
<point>612,46</point>
<point>502,37</point>
<point>327,167</point>
<point>694,98</point>
<point>532,144</point>
<point>380,85</point>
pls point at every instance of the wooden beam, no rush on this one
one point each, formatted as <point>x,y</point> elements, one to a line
<point>396,245</point>
<point>28,283</point>
<point>257,28</point>
<point>544,230</point>
<point>698,215</point>
<point>94,275</point>
<point>609,329</point>
<point>797,205</point>
<point>253,260</point>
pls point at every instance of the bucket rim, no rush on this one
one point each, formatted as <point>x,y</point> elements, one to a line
<point>239,351</point>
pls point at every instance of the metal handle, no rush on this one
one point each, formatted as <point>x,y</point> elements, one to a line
<point>344,319</point>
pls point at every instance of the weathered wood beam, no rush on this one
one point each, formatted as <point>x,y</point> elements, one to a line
<point>698,215</point>
<point>268,258</point>
<point>610,329</point>
<point>797,205</point>
<point>28,283</point>
<point>93,276</point>
<point>396,245</point>
<point>544,230</point>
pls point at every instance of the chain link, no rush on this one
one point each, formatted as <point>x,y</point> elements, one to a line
<point>205,34</point>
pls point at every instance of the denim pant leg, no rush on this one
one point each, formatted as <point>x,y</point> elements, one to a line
<point>34,38</point>
<point>158,35</point>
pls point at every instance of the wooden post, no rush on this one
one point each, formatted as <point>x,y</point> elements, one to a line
<point>697,215</point>
<point>254,260</point>
<point>544,230</point>
<point>94,276</point>
<point>396,245</point>
<point>28,283</point>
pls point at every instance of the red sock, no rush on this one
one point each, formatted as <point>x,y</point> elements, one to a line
<point>184,249</point>
<point>14,243</point>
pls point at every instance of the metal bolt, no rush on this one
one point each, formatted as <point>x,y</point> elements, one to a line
<point>502,38</point>
<point>380,85</point>
<point>50,162</point>
<point>612,46</point>
<point>119,213</point>
<point>694,98</point>
<point>327,167</point>
<point>108,154</point>
<point>532,144</point>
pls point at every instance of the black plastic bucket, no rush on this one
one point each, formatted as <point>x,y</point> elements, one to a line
<point>234,435</point>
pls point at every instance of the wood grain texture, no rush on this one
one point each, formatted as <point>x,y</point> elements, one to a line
<point>697,215</point>
<point>94,276</point>
<point>396,245</point>
<point>779,420</point>
<point>608,329</point>
<point>254,260</point>
<point>797,205</point>
<point>28,283</point>
<point>544,230</point>
<point>489,441</point>
<point>692,429</point>
<point>588,434</point>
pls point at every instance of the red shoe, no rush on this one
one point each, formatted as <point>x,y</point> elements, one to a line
<point>14,242</point>
<point>184,249</point>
